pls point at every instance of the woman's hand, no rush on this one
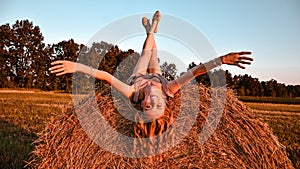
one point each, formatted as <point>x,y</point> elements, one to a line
<point>237,58</point>
<point>62,67</point>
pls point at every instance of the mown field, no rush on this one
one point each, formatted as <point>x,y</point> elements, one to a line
<point>23,114</point>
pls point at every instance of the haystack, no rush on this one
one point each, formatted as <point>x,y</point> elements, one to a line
<point>240,140</point>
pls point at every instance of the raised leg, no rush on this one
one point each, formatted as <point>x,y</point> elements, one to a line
<point>148,60</point>
<point>143,62</point>
<point>153,63</point>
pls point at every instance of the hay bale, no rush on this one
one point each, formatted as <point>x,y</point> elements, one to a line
<point>241,140</point>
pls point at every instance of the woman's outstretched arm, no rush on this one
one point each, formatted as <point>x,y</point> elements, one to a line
<point>235,58</point>
<point>62,67</point>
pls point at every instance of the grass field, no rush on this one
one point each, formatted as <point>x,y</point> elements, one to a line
<point>23,114</point>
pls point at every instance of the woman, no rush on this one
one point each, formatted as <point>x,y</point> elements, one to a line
<point>148,88</point>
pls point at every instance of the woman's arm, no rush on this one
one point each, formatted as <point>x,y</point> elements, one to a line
<point>63,67</point>
<point>236,59</point>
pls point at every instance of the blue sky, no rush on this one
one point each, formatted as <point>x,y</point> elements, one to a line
<point>268,28</point>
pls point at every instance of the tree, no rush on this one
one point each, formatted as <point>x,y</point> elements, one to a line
<point>24,45</point>
<point>250,86</point>
<point>281,90</point>
<point>229,79</point>
<point>114,61</point>
<point>270,88</point>
<point>5,55</point>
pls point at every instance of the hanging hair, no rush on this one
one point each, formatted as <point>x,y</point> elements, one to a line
<point>150,130</point>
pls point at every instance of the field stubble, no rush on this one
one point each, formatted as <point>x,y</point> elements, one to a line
<point>22,115</point>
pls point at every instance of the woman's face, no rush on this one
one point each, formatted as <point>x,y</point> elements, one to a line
<point>153,104</point>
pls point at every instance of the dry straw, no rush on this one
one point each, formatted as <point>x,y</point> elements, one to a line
<point>241,140</point>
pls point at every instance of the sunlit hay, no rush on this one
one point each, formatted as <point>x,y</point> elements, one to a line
<point>241,140</point>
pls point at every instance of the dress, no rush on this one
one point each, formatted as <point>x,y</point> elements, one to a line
<point>141,80</point>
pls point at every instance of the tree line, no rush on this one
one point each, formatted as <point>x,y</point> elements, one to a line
<point>246,85</point>
<point>25,60</point>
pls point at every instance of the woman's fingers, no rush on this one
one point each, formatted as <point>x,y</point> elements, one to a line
<point>56,67</point>
<point>245,58</point>
<point>58,70</point>
<point>244,53</point>
<point>243,67</point>
<point>237,58</point>
<point>62,73</point>
<point>62,67</point>
<point>57,62</point>
<point>244,62</point>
